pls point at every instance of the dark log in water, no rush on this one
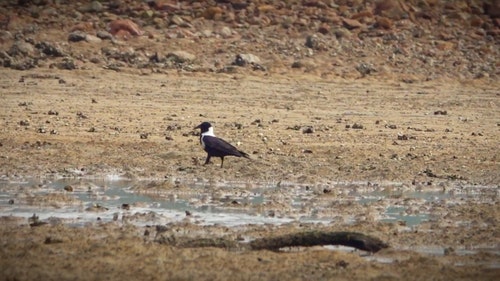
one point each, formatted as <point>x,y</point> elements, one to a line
<point>314,238</point>
<point>305,239</point>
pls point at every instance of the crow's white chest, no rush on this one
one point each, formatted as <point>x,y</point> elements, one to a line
<point>209,133</point>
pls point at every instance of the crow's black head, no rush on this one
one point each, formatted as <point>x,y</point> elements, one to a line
<point>204,127</point>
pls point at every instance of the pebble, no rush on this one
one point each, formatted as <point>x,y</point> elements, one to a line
<point>77,36</point>
<point>180,57</point>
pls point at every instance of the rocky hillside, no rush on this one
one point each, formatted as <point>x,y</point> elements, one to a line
<point>413,40</point>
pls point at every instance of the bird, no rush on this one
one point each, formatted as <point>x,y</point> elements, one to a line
<point>217,147</point>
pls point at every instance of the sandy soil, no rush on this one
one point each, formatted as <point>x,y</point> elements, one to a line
<point>93,123</point>
<point>426,119</point>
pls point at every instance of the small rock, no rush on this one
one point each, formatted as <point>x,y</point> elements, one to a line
<point>245,59</point>
<point>384,22</point>
<point>308,130</point>
<point>324,29</point>
<point>297,64</point>
<point>225,32</point>
<point>50,50</point>
<point>181,57</point>
<point>97,208</point>
<point>357,126</point>
<point>24,123</point>
<point>77,36</point>
<point>94,6</point>
<point>365,68</point>
<point>315,43</point>
<point>125,25</point>
<point>104,35</point>
<point>440,112</point>
<point>405,137</point>
<point>92,39</point>
<point>351,24</point>
<point>81,115</point>
<point>445,45</point>
<point>179,21</point>
<point>66,63</point>
<point>21,48</point>
<point>213,12</point>
<point>50,240</point>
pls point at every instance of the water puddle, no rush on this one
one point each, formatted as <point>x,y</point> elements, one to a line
<point>80,201</point>
<point>76,202</point>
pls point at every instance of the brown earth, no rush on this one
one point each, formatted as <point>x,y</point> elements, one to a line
<point>409,96</point>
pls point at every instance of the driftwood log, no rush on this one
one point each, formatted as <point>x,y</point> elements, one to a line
<point>314,238</point>
<point>303,239</point>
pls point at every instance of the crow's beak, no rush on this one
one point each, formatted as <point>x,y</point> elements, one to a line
<point>197,127</point>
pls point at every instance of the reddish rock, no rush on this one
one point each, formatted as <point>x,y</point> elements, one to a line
<point>82,26</point>
<point>384,22</point>
<point>385,5</point>
<point>444,45</point>
<point>315,3</point>
<point>124,26</point>
<point>351,24</point>
<point>122,34</point>
<point>331,17</point>
<point>389,8</point>
<point>212,13</point>
<point>363,14</point>
<point>476,21</point>
<point>324,29</point>
<point>266,8</point>
<point>162,6</point>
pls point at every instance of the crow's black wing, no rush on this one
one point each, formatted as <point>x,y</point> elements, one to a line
<point>218,147</point>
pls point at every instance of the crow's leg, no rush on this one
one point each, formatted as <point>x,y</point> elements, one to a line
<point>221,161</point>
<point>208,160</point>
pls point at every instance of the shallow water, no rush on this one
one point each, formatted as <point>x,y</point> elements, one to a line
<point>229,204</point>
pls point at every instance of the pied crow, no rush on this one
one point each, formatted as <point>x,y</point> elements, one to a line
<point>215,146</point>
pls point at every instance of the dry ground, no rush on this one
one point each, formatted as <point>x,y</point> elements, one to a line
<point>91,122</point>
